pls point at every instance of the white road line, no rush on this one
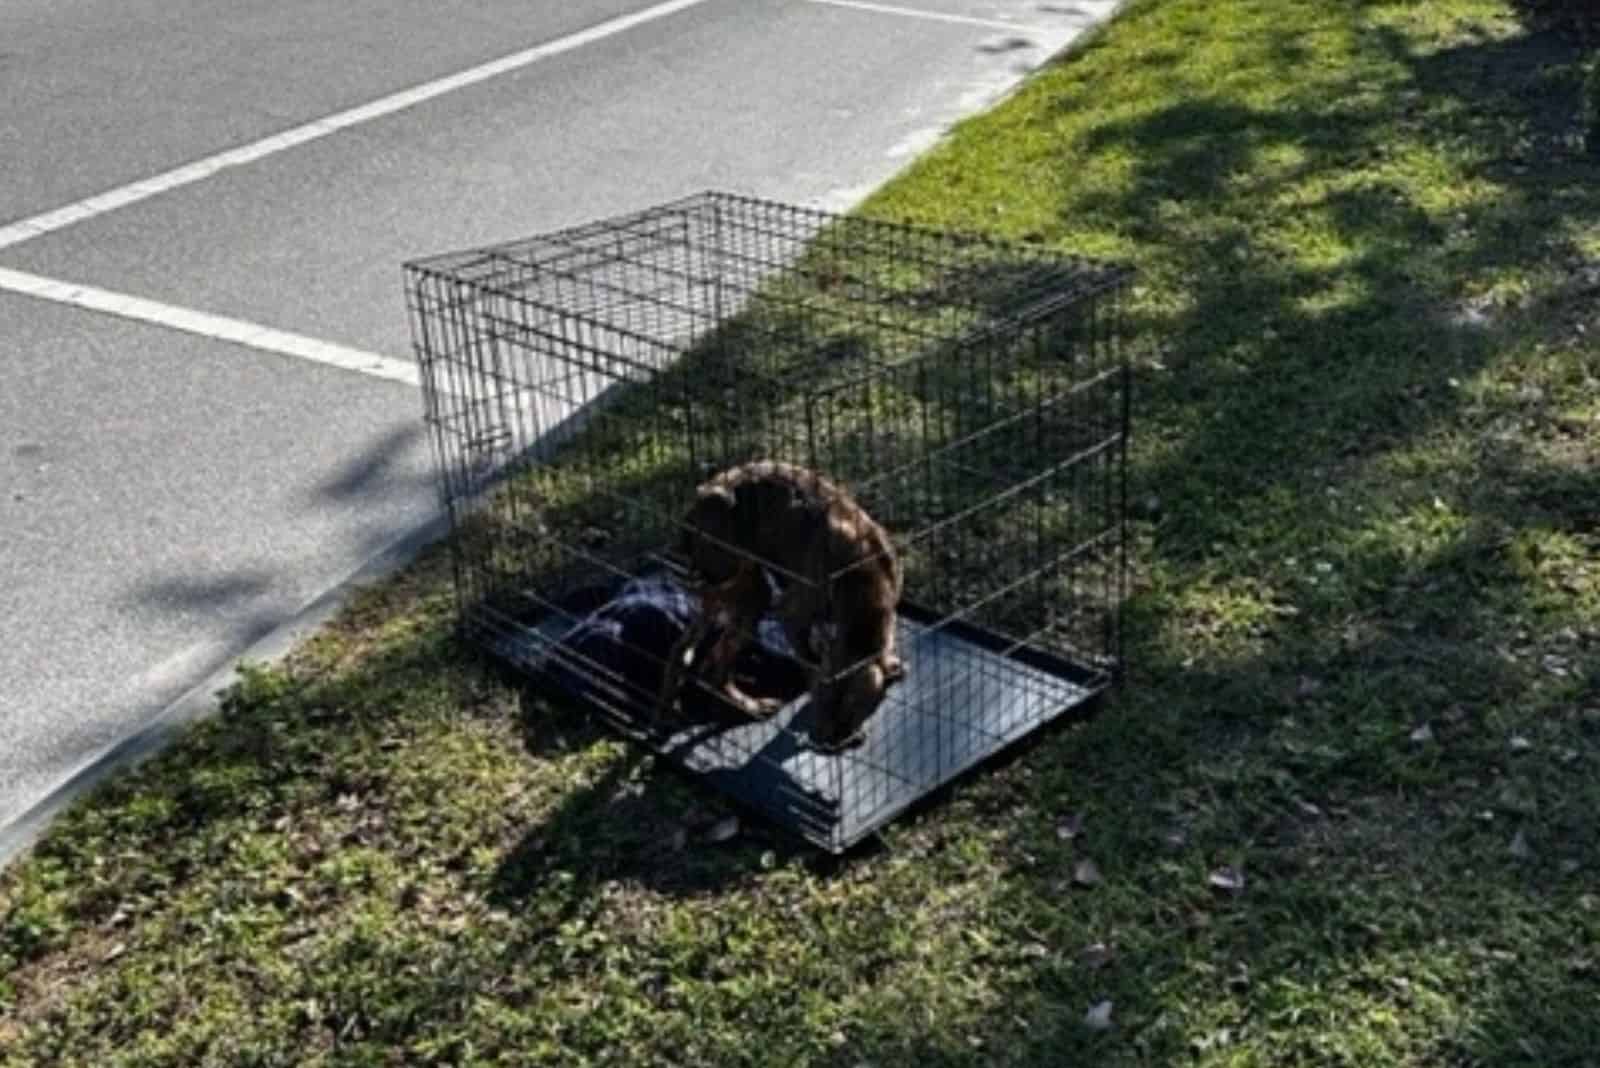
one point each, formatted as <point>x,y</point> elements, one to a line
<point>27,229</point>
<point>918,13</point>
<point>218,327</point>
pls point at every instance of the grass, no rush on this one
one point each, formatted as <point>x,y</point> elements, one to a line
<point>1365,643</point>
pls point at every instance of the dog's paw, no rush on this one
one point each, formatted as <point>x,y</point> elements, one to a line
<point>754,707</point>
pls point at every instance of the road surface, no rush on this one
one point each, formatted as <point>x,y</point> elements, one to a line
<point>208,418</point>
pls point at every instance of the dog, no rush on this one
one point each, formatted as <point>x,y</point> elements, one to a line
<point>840,584</point>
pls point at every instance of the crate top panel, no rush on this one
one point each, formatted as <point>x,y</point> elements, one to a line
<point>810,289</point>
<point>737,239</point>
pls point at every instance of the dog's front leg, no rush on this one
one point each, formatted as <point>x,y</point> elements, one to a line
<point>711,604</point>
<point>676,665</point>
<point>723,654</point>
<point>748,600</point>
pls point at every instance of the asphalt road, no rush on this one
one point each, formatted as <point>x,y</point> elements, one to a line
<point>176,486</point>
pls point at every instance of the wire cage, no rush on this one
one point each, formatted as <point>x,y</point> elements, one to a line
<point>970,395</point>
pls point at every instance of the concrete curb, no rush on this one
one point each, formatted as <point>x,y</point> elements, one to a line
<point>200,701</point>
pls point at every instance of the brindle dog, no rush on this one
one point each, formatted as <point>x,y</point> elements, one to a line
<point>837,569</point>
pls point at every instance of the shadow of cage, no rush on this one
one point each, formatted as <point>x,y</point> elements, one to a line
<point>971,395</point>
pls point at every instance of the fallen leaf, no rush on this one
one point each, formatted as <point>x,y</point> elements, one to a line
<point>1514,798</point>
<point>1519,744</point>
<point>1422,734</point>
<point>1227,878</point>
<point>1086,873</point>
<point>1218,1039</point>
<point>1519,847</point>
<point>1175,838</point>
<point>1070,828</point>
<point>1095,955</point>
<point>723,830</point>
<point>1098,1018</point>
<point>1307,808</point>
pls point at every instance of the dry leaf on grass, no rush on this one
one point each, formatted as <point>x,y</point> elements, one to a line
<point>1098,1018</point>
<point>1086,873</point>
<point>1517,799</point>
<point>1227,878</point>
<point>1422,734</point>
<point>723,830</point>
<point>1096,955</point>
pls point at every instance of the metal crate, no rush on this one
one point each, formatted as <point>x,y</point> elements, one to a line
<point>970,394</point>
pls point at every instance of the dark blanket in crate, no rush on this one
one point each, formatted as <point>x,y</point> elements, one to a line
<point>614,655</point>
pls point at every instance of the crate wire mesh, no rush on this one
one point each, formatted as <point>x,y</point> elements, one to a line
<point>969,393</point>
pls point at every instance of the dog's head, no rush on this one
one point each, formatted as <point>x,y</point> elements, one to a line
<point>858,694</point>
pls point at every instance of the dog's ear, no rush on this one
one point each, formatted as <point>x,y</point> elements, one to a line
<point>713,511</point>
<point>713,504</point>
<point>710,521</point>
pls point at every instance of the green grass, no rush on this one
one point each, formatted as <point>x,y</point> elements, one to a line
<point>1368,460</point>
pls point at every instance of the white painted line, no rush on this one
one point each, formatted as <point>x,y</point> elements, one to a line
<point>27,229</point>
<point>918,13</point>
<point>218,327</point>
